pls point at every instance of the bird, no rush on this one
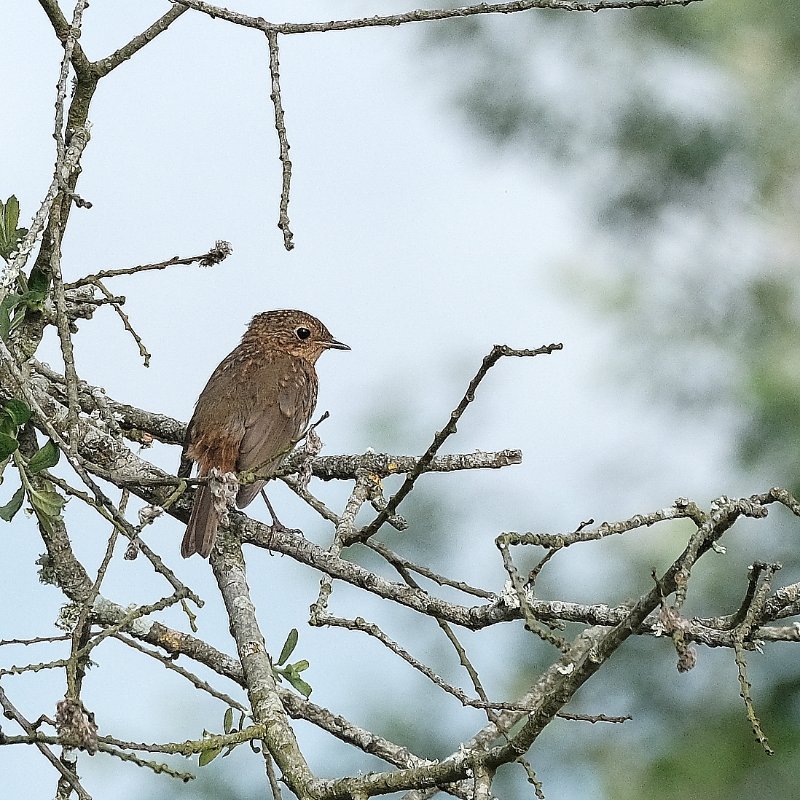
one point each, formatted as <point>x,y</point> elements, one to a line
<point>255,406</point>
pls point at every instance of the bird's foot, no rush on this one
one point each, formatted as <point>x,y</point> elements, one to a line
<point>277,526</point>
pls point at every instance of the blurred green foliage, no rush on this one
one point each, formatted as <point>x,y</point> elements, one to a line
<point>677,129</point>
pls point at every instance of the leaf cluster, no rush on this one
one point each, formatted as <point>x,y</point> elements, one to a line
<point>291,672</point>
<point>45,501</point>
<point>281,670</point>
<point>31,292</point>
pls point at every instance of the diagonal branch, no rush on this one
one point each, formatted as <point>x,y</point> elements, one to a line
<point>104,65</point>
<point>497,352</point>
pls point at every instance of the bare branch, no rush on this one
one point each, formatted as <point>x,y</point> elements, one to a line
<point>105,65</point>
<point>498,352</point>
<point>421,15</point>
<point>77,142</point>
<point>143,351</point>
<point>219,252</point>
<point>283,141</point>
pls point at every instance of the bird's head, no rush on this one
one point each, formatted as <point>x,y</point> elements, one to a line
<point>294,332</point>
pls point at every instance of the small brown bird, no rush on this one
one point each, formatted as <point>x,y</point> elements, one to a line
<point>256,404</point>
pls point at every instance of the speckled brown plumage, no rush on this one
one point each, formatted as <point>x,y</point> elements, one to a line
<point>254,406</point>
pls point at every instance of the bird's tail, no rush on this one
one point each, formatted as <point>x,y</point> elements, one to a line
<point>202,528</point>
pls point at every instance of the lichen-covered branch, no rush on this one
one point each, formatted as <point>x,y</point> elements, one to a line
<point>267,709</point>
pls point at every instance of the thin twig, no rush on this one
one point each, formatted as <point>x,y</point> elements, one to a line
<point>220,251</point>
<point>498,352</point>
<point>521,594</point>
<point>724,513</point>
<point>69,41</point>
<point>682,509</point>
<point>36,640</point>
<point>345,526</point>
<point>143,351</point>
<point>80,634</point>
<point>131,615</point>
<point>757,601</point>
<point>594,718</point>
<point>399,562</point>
<point>68,153</point>
<point>15,669</point>
<point>61,26</point>
<point>64,333</point>
<point>10,712</point>
<point>461,652</point>
<point>269,766</point>
<point>104,745</point>
<point>326,513</point>
<point>362,626</point>
<point>62,320</point>
<point>167,662</point>
<point>283,141</point>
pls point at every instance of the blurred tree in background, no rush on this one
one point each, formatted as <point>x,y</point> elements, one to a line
<point>678,130</point>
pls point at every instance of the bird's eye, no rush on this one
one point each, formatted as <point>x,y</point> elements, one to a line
<point>303,333</point>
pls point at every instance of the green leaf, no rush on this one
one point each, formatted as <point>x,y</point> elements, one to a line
<point>44,458</point>
<point>227,723</point>
<point>8,444</point>
<point>298,683</point>
<point>288,646</point>
<point>18,411</point>
<point>4,237</point>
<point>207,756</point>
<point>47,503</point>
<point>11,215</point>
<point>6,307</point>
<point>8,511</point>
<point>19,316</point>
<point>300,666</point>
<point>10,234</point>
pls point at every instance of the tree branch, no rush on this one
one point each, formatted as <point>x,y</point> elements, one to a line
<point>421,15</point>
<point>227,562</point>
<point>498,352</point>
<point>104,65</point>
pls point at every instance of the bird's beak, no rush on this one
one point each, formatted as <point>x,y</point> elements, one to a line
<point>333,344</point>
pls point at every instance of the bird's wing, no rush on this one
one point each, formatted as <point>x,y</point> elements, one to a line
<point>216,429</point>
<point>284,395</point>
